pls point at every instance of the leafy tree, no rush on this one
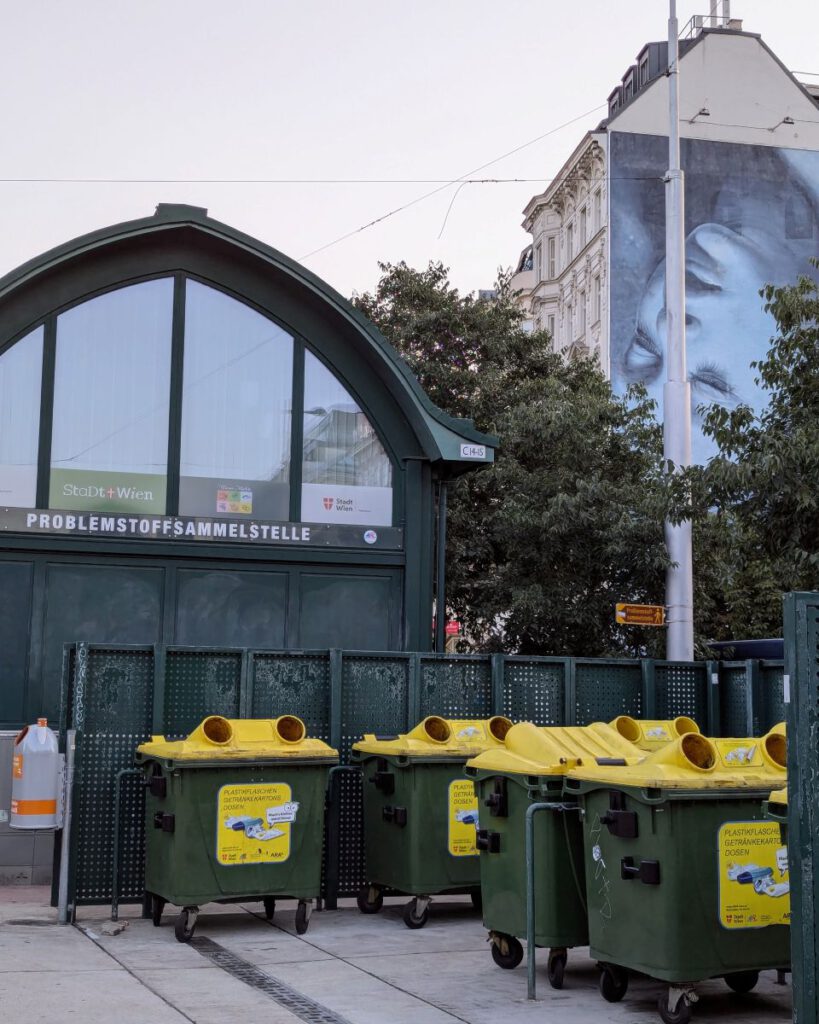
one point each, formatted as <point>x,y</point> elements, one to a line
<point>569,519</point>
<point>757,502</point>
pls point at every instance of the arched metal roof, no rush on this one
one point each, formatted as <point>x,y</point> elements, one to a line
<point>183,238</point>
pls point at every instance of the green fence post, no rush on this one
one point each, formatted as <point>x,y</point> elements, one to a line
<point>713,722</point>
<point>802,702</point>
<point>413,691</point>
<point>245,686</point>
<point>649,688</point>
<point>751,695</point>
<point>336,683</point>
<point>498,664</point>
<point>569,692</point>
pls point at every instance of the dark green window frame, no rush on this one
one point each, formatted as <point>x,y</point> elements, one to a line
<point>300,345</point>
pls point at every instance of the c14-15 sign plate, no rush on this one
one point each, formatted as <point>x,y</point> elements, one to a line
<point>640,614</point>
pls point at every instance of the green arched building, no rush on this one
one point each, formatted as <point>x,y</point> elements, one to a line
<point>201,443</point>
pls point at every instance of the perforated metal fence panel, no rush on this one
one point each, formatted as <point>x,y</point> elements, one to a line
<point>680,690</point>
<point>109,704</point>
<point>292,684</point>
<point>117,697</point>
<point>801,635</point>
<point>534,690</point>
<point>200,683</point>
<point>605,689</point>
<point>458,686</point>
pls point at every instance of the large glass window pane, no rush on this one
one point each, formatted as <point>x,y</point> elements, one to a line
<point>109,448</point>
<point>346,474</point>
<point>21,369</point>
<point>236,409</point>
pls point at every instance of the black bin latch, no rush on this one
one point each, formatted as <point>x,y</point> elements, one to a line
<point>488,841</point>
<point>617,819</point>
<point>396,815</point>
<point>498,801</point>
<point>164,821</point>
<point>648,872</point>
<point>383,779</point>
<point>157,786</point>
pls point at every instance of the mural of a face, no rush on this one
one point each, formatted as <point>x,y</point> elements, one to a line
<point>751,232</point>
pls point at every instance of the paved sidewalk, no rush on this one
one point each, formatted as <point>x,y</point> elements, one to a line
<point>365,970</point>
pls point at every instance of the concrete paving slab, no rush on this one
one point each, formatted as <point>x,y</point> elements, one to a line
<point>360,996</point>
<point>90,997</point>
<point>214,997</point>
<point>369,969</point>
<point>46,946</point>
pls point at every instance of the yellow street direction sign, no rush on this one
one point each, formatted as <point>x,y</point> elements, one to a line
<point>640,614</point>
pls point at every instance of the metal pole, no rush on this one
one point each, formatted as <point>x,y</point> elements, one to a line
<point>679,586</point>
<point>440,593</point>
<point>529,830</point>
<point>64,914</point>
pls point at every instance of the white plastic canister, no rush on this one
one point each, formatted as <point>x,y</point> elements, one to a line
<point>35,781</point>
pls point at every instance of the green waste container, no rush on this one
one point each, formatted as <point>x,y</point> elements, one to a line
<point>684,878</point>
<point>529,769</point>
<point>776,808</point>
<point>232,813</point>
<point>420,813</point>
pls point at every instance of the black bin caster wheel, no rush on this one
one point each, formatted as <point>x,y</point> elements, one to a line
<point>680,1015</point>
<point>157,906</point>
<point>413,917</point>
<point>303,913</point>
<point>557,967</point>
<point>613,983</point>
<point>742,981</point>
<point>507,951</point>
<point>269,907</point>
<point>370,899</point>
<point>185,924</point>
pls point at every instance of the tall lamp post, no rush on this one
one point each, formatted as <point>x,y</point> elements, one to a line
<point>679,584</point>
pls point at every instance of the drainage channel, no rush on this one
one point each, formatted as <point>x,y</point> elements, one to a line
<point>301,1005</point>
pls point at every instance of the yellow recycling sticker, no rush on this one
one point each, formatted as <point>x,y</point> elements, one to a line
<point>253,823</point>
<point>463,818</point>
<point>754,886</point>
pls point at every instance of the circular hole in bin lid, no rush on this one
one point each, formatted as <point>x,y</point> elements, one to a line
<point>218,730</point>
<point>776,747</point>
<point>628,728</point>
<point>437,729</point>
<point>290,729</point>
<point>499,726</point>
<point>698,751</point>
<point>685,725</point>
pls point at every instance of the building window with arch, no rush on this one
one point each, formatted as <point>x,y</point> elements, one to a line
<point>109,446</point>
<point>569,243</point>
<point>237,388</point>
<point>21,368</point>
<point>538,261</point>
<point>598,210</point>
<point>596,299</point>
<point>581,235</point>
<point>552,260</point>
<point>346,473</point>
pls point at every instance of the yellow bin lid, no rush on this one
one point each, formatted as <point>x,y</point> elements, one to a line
<point>652,734</point>
<point>439,737</point>
<point>552,750</point>
<point>240,739</point>
<point>696,762</point>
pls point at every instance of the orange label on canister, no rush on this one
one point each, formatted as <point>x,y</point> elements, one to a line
<point>33,806</point>
<point>17,766</point>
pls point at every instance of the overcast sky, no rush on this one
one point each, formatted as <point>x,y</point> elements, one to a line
<point>424,91</point>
